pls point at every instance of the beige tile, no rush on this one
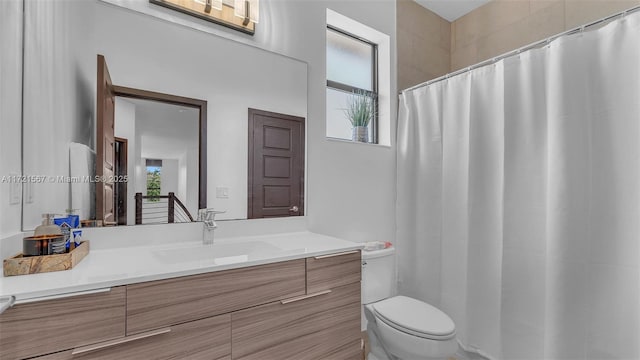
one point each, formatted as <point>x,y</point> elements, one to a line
<point>409,77</point>
<point>418,20</point>
<point>452,42</point>
<point>546,22</point>
<point>498,14</point>
<point>445,35</point>
<point>403,83</point>
<point>580,12</point>
<point>543,23</point>
<point>429,28</point>
<point>418,78</point>
<point>512,37</point>
<point>465,30</point>
<point>431,59</point>
<point>463,57</point>
<point>489,18</point>
<point>537,5</point>
<point>403,10</point>
<point>404,41</point>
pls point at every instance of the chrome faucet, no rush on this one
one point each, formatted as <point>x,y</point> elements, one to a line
<point>208,217</point>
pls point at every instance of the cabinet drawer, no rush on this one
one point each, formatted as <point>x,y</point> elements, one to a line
<point>305,328</point>
<point>163,303</point>
<point>329,271</point>
<point>203,339</point>
<point>46,326</point>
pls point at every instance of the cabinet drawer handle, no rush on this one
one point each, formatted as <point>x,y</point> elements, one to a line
<point>124,340</point>
<point>303,297</point>
<point>336,254</point>
<point>62,296</point>
<point>7,304</point>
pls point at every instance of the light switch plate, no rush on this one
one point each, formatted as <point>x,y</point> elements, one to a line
<point>222,192</point>
<point>15,192</point>
<point>28,192</point>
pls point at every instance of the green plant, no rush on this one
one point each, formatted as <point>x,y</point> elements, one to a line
<point>360,108</point>
<point>153,185</point>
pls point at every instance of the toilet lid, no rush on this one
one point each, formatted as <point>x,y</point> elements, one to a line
<point>415,317</point>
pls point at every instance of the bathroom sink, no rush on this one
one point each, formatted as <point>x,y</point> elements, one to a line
<point>217,254</point>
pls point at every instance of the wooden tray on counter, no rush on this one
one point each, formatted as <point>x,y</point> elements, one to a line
<point>24,265</point>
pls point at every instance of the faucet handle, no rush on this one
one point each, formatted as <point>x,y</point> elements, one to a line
<point>208,214</point>
<point>208,217</point>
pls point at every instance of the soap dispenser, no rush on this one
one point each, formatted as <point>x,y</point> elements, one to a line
<point>47,227</point>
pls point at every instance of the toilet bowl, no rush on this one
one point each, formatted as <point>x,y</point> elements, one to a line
<point>401,327</point>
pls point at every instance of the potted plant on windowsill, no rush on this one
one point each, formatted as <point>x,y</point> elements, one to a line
<point>360,111</point>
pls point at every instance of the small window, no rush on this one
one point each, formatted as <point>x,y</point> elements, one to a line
<point>352,89</point>
<point>154,184</point>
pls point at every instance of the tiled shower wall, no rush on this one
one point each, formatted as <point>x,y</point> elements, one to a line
<point>424,40</point>
<point>490,30</point>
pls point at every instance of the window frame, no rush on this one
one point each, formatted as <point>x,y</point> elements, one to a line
<point>336,85</point>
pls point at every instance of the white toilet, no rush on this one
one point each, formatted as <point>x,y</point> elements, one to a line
<point>400,327</point>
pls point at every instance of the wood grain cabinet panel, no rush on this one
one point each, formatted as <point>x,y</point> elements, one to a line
<point>326,326</point>
<point>205,339</point>
<point>37,328</point>
<point>167,302</point>
<point>329,271</point>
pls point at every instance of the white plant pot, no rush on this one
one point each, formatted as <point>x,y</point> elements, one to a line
<point>360,134</point>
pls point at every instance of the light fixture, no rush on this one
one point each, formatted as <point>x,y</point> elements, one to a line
<point>208,4</point>
<point>247,9</point>
<point>240,15</point>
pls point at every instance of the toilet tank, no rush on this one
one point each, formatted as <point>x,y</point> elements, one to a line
<point>378,274</point>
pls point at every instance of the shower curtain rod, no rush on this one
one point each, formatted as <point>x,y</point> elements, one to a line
<point>534,45</point>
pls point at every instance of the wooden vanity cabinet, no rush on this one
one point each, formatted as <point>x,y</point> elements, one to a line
<point>333,270</point>
<point>322,324</point>
<point>325,325</point>
<point>298,309</point>
<point>206,339</point>
<point>42,327</point>
<point>164,303</point>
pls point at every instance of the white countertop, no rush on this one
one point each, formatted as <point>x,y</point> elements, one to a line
<point>104,268</point>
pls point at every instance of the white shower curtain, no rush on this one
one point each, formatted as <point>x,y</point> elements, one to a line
<point>518,205</point>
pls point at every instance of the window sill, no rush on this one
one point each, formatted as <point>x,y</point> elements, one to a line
<point>356,142</point>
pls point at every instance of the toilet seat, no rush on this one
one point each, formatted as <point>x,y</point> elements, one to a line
<point>415,317</point>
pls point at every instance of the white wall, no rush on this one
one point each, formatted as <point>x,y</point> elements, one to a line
<point>125,127</point>
<point>367,211</point>
<point>296,29</point>
<point>169,176</point>
<point>55,42</point>
<point>10,110</point>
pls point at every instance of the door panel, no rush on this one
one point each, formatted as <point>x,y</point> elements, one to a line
<point>276,165</point>
<point>105,145</point>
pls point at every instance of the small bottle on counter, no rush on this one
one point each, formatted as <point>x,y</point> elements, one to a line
<point>48,227</point>
<point>48,239</point>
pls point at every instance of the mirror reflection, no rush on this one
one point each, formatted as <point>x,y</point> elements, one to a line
<point>61,41</point>
<point>156,152</point>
